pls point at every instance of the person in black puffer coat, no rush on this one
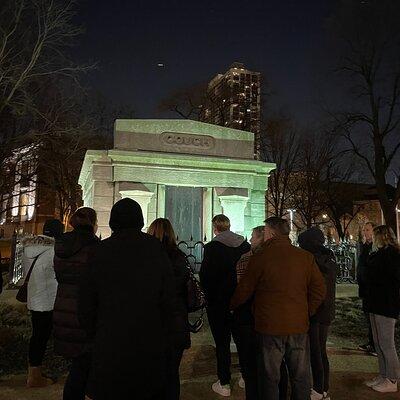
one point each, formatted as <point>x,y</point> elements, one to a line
<point>161,228</point>
<point>70,341</point>
<point>313,241</point>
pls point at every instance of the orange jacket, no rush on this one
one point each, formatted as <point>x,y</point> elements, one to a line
<point>288,288</point>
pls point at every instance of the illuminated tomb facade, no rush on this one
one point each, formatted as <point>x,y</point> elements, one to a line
<point>183,170</point>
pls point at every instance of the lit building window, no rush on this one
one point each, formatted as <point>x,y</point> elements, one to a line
<point>24,202</point>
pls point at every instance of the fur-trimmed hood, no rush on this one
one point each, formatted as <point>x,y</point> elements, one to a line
<point>35,245</point>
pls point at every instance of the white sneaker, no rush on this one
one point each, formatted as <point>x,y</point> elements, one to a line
<point>241,382</point>
<point>315,395</point>
<point>223,390</point>
<point>375,381</point>
<point>326,396</point>
<point>386,386</point>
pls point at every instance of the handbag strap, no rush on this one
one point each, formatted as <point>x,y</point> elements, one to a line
<point>31,268</point>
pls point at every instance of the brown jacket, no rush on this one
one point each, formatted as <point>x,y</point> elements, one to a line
<point>287,285</point>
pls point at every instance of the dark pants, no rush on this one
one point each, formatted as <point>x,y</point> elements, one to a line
<point>247,346</point>
<point>319,359</point>
<point>75,387</point>
<point>173,382</point>
<point>42,324</point>
<point>294,350</point>
<point>220,321</point>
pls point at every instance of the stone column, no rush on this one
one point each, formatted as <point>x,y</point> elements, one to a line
<point>139,193</point>
<point>207,213</point>
<point>233,202</point>
<point>101,196</point>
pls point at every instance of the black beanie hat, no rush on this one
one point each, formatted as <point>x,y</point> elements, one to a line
<point>126,214</point>
<point>53,228</point>
<point>311,238</point>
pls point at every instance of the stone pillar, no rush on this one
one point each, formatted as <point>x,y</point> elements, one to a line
<point>139,193</point>
<point>207,213</point>
<point>233,202</point>
<point>102,194</point>
<point>160,201</point>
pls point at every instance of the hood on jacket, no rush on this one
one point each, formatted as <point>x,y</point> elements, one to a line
<point>35,245</point>
<point>229,239</point>
<point>311,239</point>
<point>71,243</point>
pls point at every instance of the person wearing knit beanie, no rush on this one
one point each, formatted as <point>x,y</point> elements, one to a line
<point>126,214</point>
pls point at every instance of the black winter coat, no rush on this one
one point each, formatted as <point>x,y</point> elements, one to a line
<point>383,282</point>
<point>71,257</point>
<point>180,334</point>
<point>127,304</point>
<point>326,262</point>
<point>365,250</point>
<point>218,271</point>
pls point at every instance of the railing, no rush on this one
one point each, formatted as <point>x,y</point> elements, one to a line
<point>17,250</point>
<point>346,254</point>
<point>194,252</point>
<point>346,257</point>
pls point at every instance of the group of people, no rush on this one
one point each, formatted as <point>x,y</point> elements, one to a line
<point>118,308</point>
<point>277,301</point>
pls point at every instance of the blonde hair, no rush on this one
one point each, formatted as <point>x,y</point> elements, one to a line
<point>162,229</point>
<point>221,223</point>
<point>384,237</point>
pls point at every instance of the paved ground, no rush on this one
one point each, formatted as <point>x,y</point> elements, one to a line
<point>349,369</point>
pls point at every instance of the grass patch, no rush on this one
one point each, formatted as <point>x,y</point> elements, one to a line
<point>15,331</point>
<point>350,322</point>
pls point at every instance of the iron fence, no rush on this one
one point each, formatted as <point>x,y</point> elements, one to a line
<point>17,251</point>
<point>346,255</point>
<point>194,252</point>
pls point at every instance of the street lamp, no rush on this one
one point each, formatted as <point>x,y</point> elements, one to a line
<point>291,212</point>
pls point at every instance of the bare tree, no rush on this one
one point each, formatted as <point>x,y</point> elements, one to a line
<point>66,134</point>
<point>33,36</point>
<point>340,194</point>
<point>281,145</point>
<point>316,154</point>
<point>370,69</point>
<point>186,102</point>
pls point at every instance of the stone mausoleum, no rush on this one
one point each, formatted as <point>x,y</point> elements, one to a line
<point>183,170</point>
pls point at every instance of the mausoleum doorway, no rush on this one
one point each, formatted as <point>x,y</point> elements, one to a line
<point>184,208</point>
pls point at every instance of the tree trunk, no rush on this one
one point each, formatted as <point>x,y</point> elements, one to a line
<point>389,213</point>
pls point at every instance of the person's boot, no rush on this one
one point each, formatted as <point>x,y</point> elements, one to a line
<point>36,379</point>
<point>222,390</point>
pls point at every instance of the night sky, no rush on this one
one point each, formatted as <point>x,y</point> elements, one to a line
<point>284,40</point>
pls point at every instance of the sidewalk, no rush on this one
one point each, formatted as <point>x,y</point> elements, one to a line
<point>349,368</point>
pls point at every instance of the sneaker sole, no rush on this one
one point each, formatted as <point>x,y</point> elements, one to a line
<point>384,391</point>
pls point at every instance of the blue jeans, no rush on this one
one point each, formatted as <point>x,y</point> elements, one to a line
<point>295,350</point>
